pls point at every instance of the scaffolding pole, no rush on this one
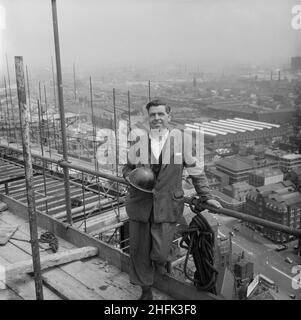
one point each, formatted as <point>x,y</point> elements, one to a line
<point>53,80</point>
<point>116,151</point>
<point>24,124</point>
<point>74,82</point>
<point>61,108</point>
<point>149,91</point>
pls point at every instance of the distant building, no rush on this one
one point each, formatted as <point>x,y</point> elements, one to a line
<point>286,161</point>
<point>235,169</point>
<point>261,293</point>
<point>265,176</point>
<point>296,63</point>
<point>248,111</point>
<point>239,168</point>
<point>238,190</point>
<point>222,132</point>
<point>290,161</point>
<point>244,269</point>
<point>208,155</point>
<point>218,175</point>
<point>258,150</point>
<point>279,203</point>
<point>225,284</point>
<point>288,147</point>
<point>223,253</point>
<point>294,176</point>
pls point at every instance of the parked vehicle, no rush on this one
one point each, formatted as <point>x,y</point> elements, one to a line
<point>281,247</point>
<point>288,260</point>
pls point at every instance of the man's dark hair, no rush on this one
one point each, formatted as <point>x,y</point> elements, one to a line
<point>156,103</point>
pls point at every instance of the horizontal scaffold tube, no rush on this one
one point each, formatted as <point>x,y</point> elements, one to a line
<point>245,217</point>
<point>199,205</point>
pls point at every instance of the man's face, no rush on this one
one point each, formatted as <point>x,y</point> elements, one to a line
<point>158,117</point>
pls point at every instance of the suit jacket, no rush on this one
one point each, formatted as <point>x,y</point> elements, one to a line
<point>167,199</point>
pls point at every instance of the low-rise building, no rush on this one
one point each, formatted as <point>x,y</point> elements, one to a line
<point>265,176</point>
<point>239,168</point>
<point>279,203</point>
<point>290,161</point>
<point>238,190</point>
<point>286,161</point>
<point>218,175</point>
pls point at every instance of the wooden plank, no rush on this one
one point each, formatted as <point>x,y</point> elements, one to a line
<point>9,167</point>
<point>50,260</point>
<point>40,187</point>
<point>60,199</point>
<point>67,287</point>
<point>107,280</point>
<point>56,198</point>
<point>5,233</point>
<point>8,294</point>
<point>20,193</point>
<point>21,187</point>
<point>21,183</point>
<point>6,165</point>
<point>13,178</point>
<point>11,173</point>
<point>98,280</point>
<point>81,292</point>
<point>57,211</point>
<point>23,286</point>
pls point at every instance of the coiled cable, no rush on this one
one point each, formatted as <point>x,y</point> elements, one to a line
<point>198,239</point>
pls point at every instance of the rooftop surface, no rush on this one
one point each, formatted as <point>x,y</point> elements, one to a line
<point>88,279</point>
<point>232,126</point>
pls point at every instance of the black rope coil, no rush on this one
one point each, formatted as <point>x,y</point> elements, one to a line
<point>51,239</point>
<point>198,239</point>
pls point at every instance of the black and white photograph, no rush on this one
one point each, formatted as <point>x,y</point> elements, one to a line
<point>150,150</point>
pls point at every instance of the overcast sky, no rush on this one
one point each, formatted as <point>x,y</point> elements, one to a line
<point>108,32</point>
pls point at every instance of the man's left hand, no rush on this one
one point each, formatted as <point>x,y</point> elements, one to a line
<point>214,203</point>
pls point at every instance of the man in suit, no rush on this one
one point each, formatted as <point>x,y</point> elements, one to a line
<point>153,216</point>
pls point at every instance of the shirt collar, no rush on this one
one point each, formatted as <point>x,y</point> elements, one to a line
<point>155,134</point>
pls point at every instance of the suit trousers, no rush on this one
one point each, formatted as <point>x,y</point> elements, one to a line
<point>150,246</point>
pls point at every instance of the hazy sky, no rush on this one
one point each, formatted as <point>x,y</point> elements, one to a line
<point>102,32</point>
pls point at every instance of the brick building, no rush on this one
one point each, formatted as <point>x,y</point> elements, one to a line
<point>279,203</point>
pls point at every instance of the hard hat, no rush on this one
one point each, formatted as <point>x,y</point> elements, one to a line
<point>142,178</point>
